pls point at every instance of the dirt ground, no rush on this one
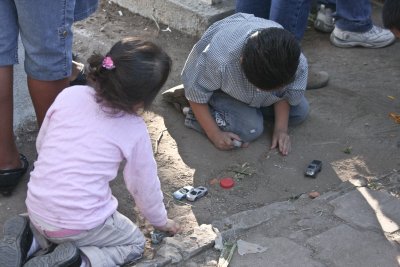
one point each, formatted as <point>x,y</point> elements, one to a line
<point>348,129</point>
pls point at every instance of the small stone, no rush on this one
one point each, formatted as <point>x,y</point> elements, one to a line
<point>213,181</point>
<point>313,194</point>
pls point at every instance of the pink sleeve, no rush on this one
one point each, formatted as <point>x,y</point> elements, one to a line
<point>141,179</point>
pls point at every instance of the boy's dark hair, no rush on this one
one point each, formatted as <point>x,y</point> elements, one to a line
<point>391,14</point>
<point>141,69</point>
<point>270,58</point>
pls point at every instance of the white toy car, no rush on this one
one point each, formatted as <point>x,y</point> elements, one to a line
<point>196,193</point>
<point>181,193</point>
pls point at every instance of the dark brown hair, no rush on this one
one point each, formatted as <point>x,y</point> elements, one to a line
<point>141,69</point>
<point>391,14</point>
<point>270,58</point>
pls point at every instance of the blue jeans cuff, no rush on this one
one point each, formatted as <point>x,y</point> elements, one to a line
<point>354,26</point>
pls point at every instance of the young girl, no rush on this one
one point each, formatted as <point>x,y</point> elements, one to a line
<point>87,133</point>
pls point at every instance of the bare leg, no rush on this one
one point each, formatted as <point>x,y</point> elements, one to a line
<point>43,94</point>
<point>9,157</point>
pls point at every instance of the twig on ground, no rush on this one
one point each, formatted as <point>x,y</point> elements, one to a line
<point>226,255</point>
<point>241,172</point>
<point>158,141</point>
<point>155,21</point>
<point>305,229</point>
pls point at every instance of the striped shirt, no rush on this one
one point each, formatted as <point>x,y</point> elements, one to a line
<point>214,63</point>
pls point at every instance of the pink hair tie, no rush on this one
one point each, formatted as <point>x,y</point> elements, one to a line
<point>108,63</point>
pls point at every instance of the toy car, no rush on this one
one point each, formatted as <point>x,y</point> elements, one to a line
<point>158,236</point>
<point>181,193</point>
<point>196,193</point>
<point>313,168</point>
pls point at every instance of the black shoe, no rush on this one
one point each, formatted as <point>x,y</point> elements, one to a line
<point>80,79</point>
<point>176,96</point>
<point>9,179</point>
<point>64,255</point>
<point>16,242</point>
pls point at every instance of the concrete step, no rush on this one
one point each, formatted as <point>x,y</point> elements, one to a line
<point>189,16</point>
<point>353,226</point>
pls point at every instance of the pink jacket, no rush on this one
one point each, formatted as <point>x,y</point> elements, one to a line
<point>80,149</point>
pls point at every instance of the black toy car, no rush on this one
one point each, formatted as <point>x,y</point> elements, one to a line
<point>313,168</point>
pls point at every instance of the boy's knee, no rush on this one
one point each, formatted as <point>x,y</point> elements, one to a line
<point>250,132</point>
<point>298,119</point>
<point>299,114</point>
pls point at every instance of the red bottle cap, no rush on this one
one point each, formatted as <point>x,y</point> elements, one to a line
<point>227,182</point>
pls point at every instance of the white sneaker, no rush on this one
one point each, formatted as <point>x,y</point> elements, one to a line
<point>375,38</point>
<point>324,21</point>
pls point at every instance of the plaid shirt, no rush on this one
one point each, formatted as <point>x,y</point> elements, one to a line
<point>214,63</point>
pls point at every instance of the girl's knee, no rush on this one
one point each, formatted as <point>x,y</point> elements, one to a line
<point>136,247</point>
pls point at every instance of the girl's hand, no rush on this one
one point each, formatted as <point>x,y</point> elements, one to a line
<point>281,140</point>
<point>223,140</point>
<point>171,227</point>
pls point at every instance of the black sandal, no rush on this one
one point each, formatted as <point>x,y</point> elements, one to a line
<point>80,79</point>
<point>9,179</point>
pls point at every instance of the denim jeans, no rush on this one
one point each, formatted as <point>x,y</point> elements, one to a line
<point>84,8</point>
<point>259,8</point>
<point>353,16</point>
<point>247,122</point>
<point>291,14</point>
<point>45,28</point>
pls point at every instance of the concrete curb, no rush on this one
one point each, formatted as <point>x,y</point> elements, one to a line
<point>180,248</point>
<point>189,16</point>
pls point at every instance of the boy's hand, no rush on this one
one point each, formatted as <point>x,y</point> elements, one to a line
<point>171,227</point>
<point>223,140</point>
<point>281,140</point>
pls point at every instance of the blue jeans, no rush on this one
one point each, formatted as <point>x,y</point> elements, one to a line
<point>84,8</point>
<point>291,14</point>
<point>351,15</point>
<point>45,28</point>
<point>247,122</point>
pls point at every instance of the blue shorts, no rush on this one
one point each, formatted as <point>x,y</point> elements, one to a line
<point>45,28</point>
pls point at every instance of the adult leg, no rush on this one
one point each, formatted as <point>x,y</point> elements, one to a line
<point>9,157</point>
<point>354,16</point>
<point>48,64</point>
<point>292,15</point>
<point>353,26</point>
<point>233,116</point>
<point>260,8</point>
<point>43,94</point>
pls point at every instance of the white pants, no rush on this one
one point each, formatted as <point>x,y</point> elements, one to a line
<point>116,242</point>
